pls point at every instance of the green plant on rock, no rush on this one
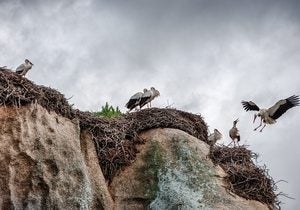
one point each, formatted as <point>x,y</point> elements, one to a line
<point>109,111</point>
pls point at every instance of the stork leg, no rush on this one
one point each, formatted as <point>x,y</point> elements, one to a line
<point>263,127</point>
<point>259,125</point>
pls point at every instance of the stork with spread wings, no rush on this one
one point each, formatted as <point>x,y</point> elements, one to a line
<point>270,115</point>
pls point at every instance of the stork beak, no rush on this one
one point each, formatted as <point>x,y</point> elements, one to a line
<point>255,116</point>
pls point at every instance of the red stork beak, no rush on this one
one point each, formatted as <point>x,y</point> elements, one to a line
<point>255,116</point>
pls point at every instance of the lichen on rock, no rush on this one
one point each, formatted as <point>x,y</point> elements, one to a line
<point>173,171</point>
<point>185,179</point>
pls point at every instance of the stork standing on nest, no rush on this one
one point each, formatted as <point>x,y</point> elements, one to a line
<point>234,133</point>
<point>214,137</point>
<point>154,93</point>
<point>146,98</point>
<point>24,68</point>
<point>134,100</point>
<point>270,115</point>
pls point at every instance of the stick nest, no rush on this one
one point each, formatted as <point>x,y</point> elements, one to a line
<point>244,177</point>
<point>19,91</point>
<point>116,139</point>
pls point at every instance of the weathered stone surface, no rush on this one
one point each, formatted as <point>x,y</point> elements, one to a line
<point>44,164</point>
<point>172,171</point>
<point>101,196</point>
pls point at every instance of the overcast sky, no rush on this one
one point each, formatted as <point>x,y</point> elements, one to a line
<point>204,56</point>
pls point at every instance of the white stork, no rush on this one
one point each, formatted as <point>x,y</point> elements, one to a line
<point>234,133</point>
<point>146,97</point>
<point>24,68</point>
<point>270,115</point>
<point>155,93</point>
<point>134,100</point>
<point>214,137</point>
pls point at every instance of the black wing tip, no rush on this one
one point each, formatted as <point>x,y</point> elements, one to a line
<point>294,100</point>
<point>245,105</point>
<point>131,104</point>
<point>250,106</point>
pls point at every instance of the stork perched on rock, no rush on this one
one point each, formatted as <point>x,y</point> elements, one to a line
<point>270,115</point>
<point>24,68</point>
<point>214,137</point>
<point>134,100</point>
<point>234,133</point>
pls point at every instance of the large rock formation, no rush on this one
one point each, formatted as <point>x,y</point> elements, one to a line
<point>45,165</point>
<point>55,157</point>
<point>173,171</point>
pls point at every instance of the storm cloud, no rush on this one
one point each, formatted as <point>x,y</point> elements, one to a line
<point>204,56</point>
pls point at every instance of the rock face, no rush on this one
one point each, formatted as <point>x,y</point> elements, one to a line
<point>173,171</point>
<point>46,162</point>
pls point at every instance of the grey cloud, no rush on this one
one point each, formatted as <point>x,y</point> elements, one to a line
<point>204,57</point>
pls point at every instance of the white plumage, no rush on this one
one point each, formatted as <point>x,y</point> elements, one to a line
<point>134,100</point>
<point>154,93</point>
<point>149,96</point>
<point>146,97</point>
<point>214,137</point>
<point>24,68</point>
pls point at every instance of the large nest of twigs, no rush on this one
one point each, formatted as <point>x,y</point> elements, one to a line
<point>116,139</point>
<point>17,90</point>
<point>244,177</point>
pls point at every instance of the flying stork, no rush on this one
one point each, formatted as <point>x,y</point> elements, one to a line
<point>234,133</point>
<point>214,137</point>
<point>134,100</point>
<point>270,115</point>
<point>24,68</point>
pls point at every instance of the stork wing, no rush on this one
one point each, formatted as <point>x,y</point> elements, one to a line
<point>282,106</point>
<point>134,100</point>
<point>138,95</point>
<point>249,105</point>
<point>20,68</point>
<point>145,98</point>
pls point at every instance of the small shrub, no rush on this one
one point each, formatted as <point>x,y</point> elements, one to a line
<point>109,111</point>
